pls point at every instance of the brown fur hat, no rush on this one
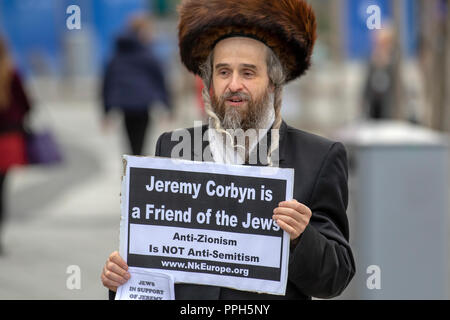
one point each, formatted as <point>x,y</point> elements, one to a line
<point>288,27</point>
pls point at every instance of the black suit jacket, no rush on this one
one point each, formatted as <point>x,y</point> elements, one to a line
<point>321,263</point>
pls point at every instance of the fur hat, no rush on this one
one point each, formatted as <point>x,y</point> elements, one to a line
<point>288,27</point>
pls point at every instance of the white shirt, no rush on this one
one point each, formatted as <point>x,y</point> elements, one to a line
<point>223,149</point>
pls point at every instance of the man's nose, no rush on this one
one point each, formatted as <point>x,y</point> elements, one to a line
<point>235,84</point>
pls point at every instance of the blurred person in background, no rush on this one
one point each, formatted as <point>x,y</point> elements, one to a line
<point>14,106</point>
<point>134,81</point>
<point>379,90</point>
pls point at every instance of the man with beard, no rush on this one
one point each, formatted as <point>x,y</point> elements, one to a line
<point>245,51</point>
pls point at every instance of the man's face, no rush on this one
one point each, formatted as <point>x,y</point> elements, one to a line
<point>240,82</point>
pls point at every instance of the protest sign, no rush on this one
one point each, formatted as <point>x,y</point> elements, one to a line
<point>144,285</point>
<point>206,223</point>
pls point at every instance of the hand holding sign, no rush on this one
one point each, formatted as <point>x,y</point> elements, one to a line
<point>293,217</point>
<point>115,272</point>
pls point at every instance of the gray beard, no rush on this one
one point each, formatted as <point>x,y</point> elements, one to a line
<point>232,119</point>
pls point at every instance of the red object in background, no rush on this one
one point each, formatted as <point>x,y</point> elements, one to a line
<point>12,150</point>
<point>11,117</point>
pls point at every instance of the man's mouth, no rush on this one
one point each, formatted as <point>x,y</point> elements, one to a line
<point>236,101</point>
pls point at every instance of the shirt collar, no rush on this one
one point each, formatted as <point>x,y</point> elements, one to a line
<point>224,152</point>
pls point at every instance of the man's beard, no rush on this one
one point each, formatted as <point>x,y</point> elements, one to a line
<point>234,118</point>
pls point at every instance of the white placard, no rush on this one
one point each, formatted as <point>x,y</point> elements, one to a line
<point>145,285</point>
<point>206,223</point>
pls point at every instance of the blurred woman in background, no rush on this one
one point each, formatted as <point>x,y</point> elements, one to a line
<point>14,106</point>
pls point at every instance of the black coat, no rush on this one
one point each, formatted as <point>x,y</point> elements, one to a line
<point>321,264</point>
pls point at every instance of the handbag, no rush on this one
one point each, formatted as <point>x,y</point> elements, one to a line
<point>42,148</point>
<point>12,150</point>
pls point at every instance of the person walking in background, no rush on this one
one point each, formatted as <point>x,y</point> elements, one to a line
<point>14,106</point>
<point>380,87</point>
<point>134,81</point>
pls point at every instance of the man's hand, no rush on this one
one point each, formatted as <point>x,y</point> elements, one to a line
<point>115,273</point>
<point>293,217</point>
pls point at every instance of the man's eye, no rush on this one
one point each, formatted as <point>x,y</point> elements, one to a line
<point>248,74</point>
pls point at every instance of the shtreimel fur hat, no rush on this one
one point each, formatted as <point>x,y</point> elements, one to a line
<point>288,27</point>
